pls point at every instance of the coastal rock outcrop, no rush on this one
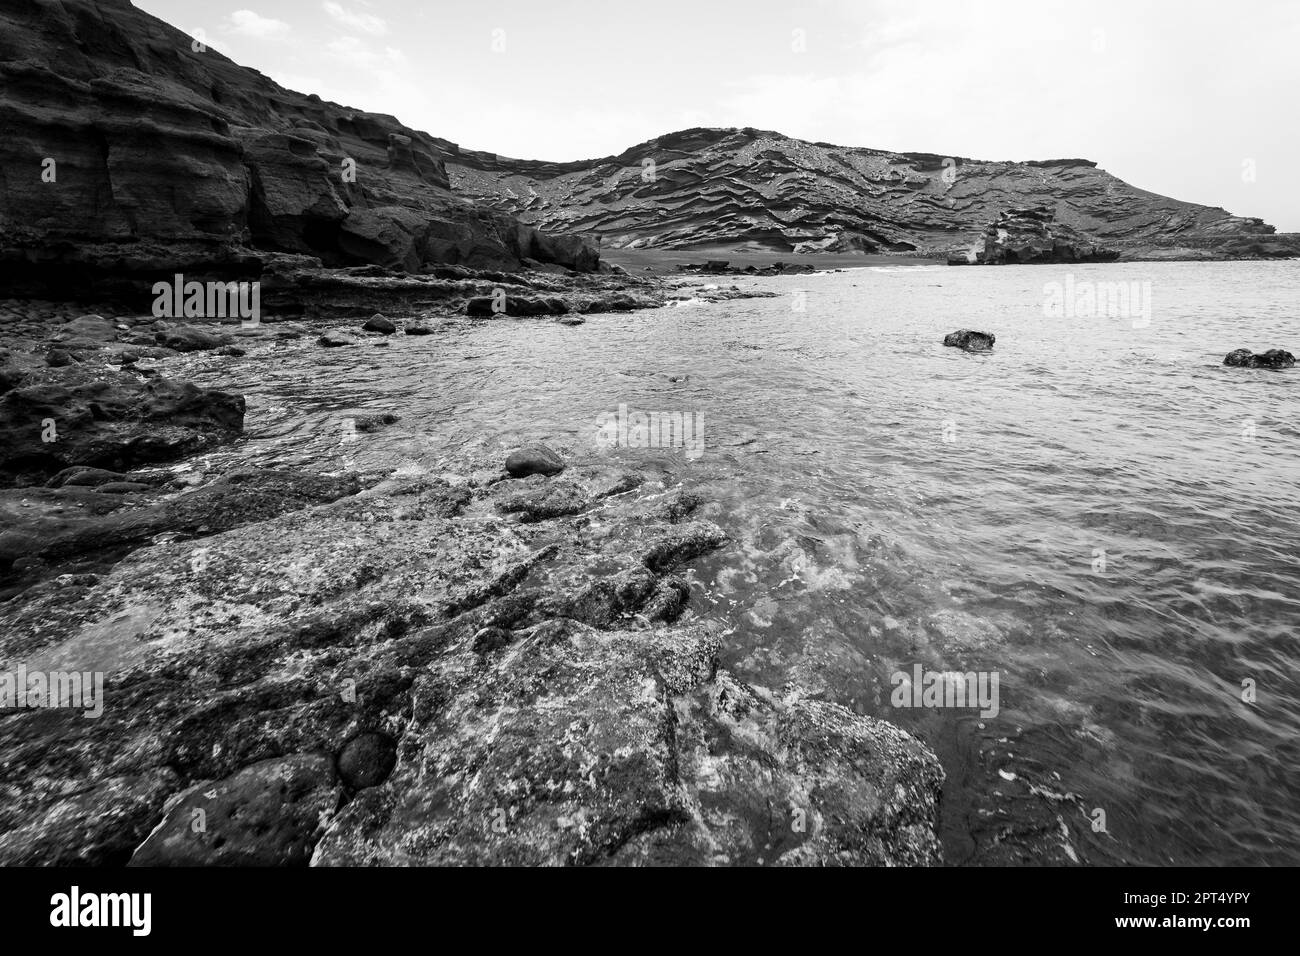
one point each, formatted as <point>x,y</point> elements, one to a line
<point>61,417</point>
<point>517,695</point>
<point>1032,236</point>
<point>135,152</point>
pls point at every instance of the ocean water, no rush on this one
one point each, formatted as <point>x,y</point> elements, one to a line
<point>1097,512</point>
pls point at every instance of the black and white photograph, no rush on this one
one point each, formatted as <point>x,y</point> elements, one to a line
<point>854,434</point>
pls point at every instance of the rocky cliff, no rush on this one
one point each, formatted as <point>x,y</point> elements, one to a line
<point>129,151</point>
<point>708,187</point>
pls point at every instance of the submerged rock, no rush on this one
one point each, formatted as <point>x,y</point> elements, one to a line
<point>62,522</point>
<point>187,338</point>
<point>333,340</point>
<point>543,500</point>
<point>970,341</point>
<point>1273,358</point>
<point>683,543</point>
<point>534,460</point>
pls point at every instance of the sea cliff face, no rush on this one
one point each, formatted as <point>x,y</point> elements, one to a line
<point>724,187</point>
<point>127,149</point>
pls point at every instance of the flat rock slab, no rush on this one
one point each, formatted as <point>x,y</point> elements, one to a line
<point>489,692</point>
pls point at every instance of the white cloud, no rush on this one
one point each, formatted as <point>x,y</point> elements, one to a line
<point>354,20</point>
<point>249,24</point>
<point>359,55</point>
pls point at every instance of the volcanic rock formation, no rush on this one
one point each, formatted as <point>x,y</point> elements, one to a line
<point>129,151</point>
<point>721,187</point>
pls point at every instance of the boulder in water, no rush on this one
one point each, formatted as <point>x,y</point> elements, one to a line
<point>378,323</point>
<point>1273,358</point>
<point>534,460</point>
<point>333,340</point>
<point>970,341</point>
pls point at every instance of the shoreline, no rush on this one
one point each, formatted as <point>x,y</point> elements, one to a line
<point>665,262</point>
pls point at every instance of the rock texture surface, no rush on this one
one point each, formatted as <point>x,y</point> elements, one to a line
<point>756,188</point>
<point>323,685</point>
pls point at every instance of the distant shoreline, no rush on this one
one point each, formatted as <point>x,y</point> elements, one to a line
<point>666,261</point>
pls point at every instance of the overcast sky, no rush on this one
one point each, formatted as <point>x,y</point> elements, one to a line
<point>1188,98</point>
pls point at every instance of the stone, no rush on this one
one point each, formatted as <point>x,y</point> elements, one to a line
<point>534,460</point>
<point>187,338</point>
<point>378,323</point>
<point>513,305</point>
<point>544,500</point>
<point>683,543</point>
<point>94,328</point>
<point>58,358</point>
<point>333,340</point>
<point>970,341</point>
<point>1273,358</point>
<point>367,759</point>
<point>109,420</point>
